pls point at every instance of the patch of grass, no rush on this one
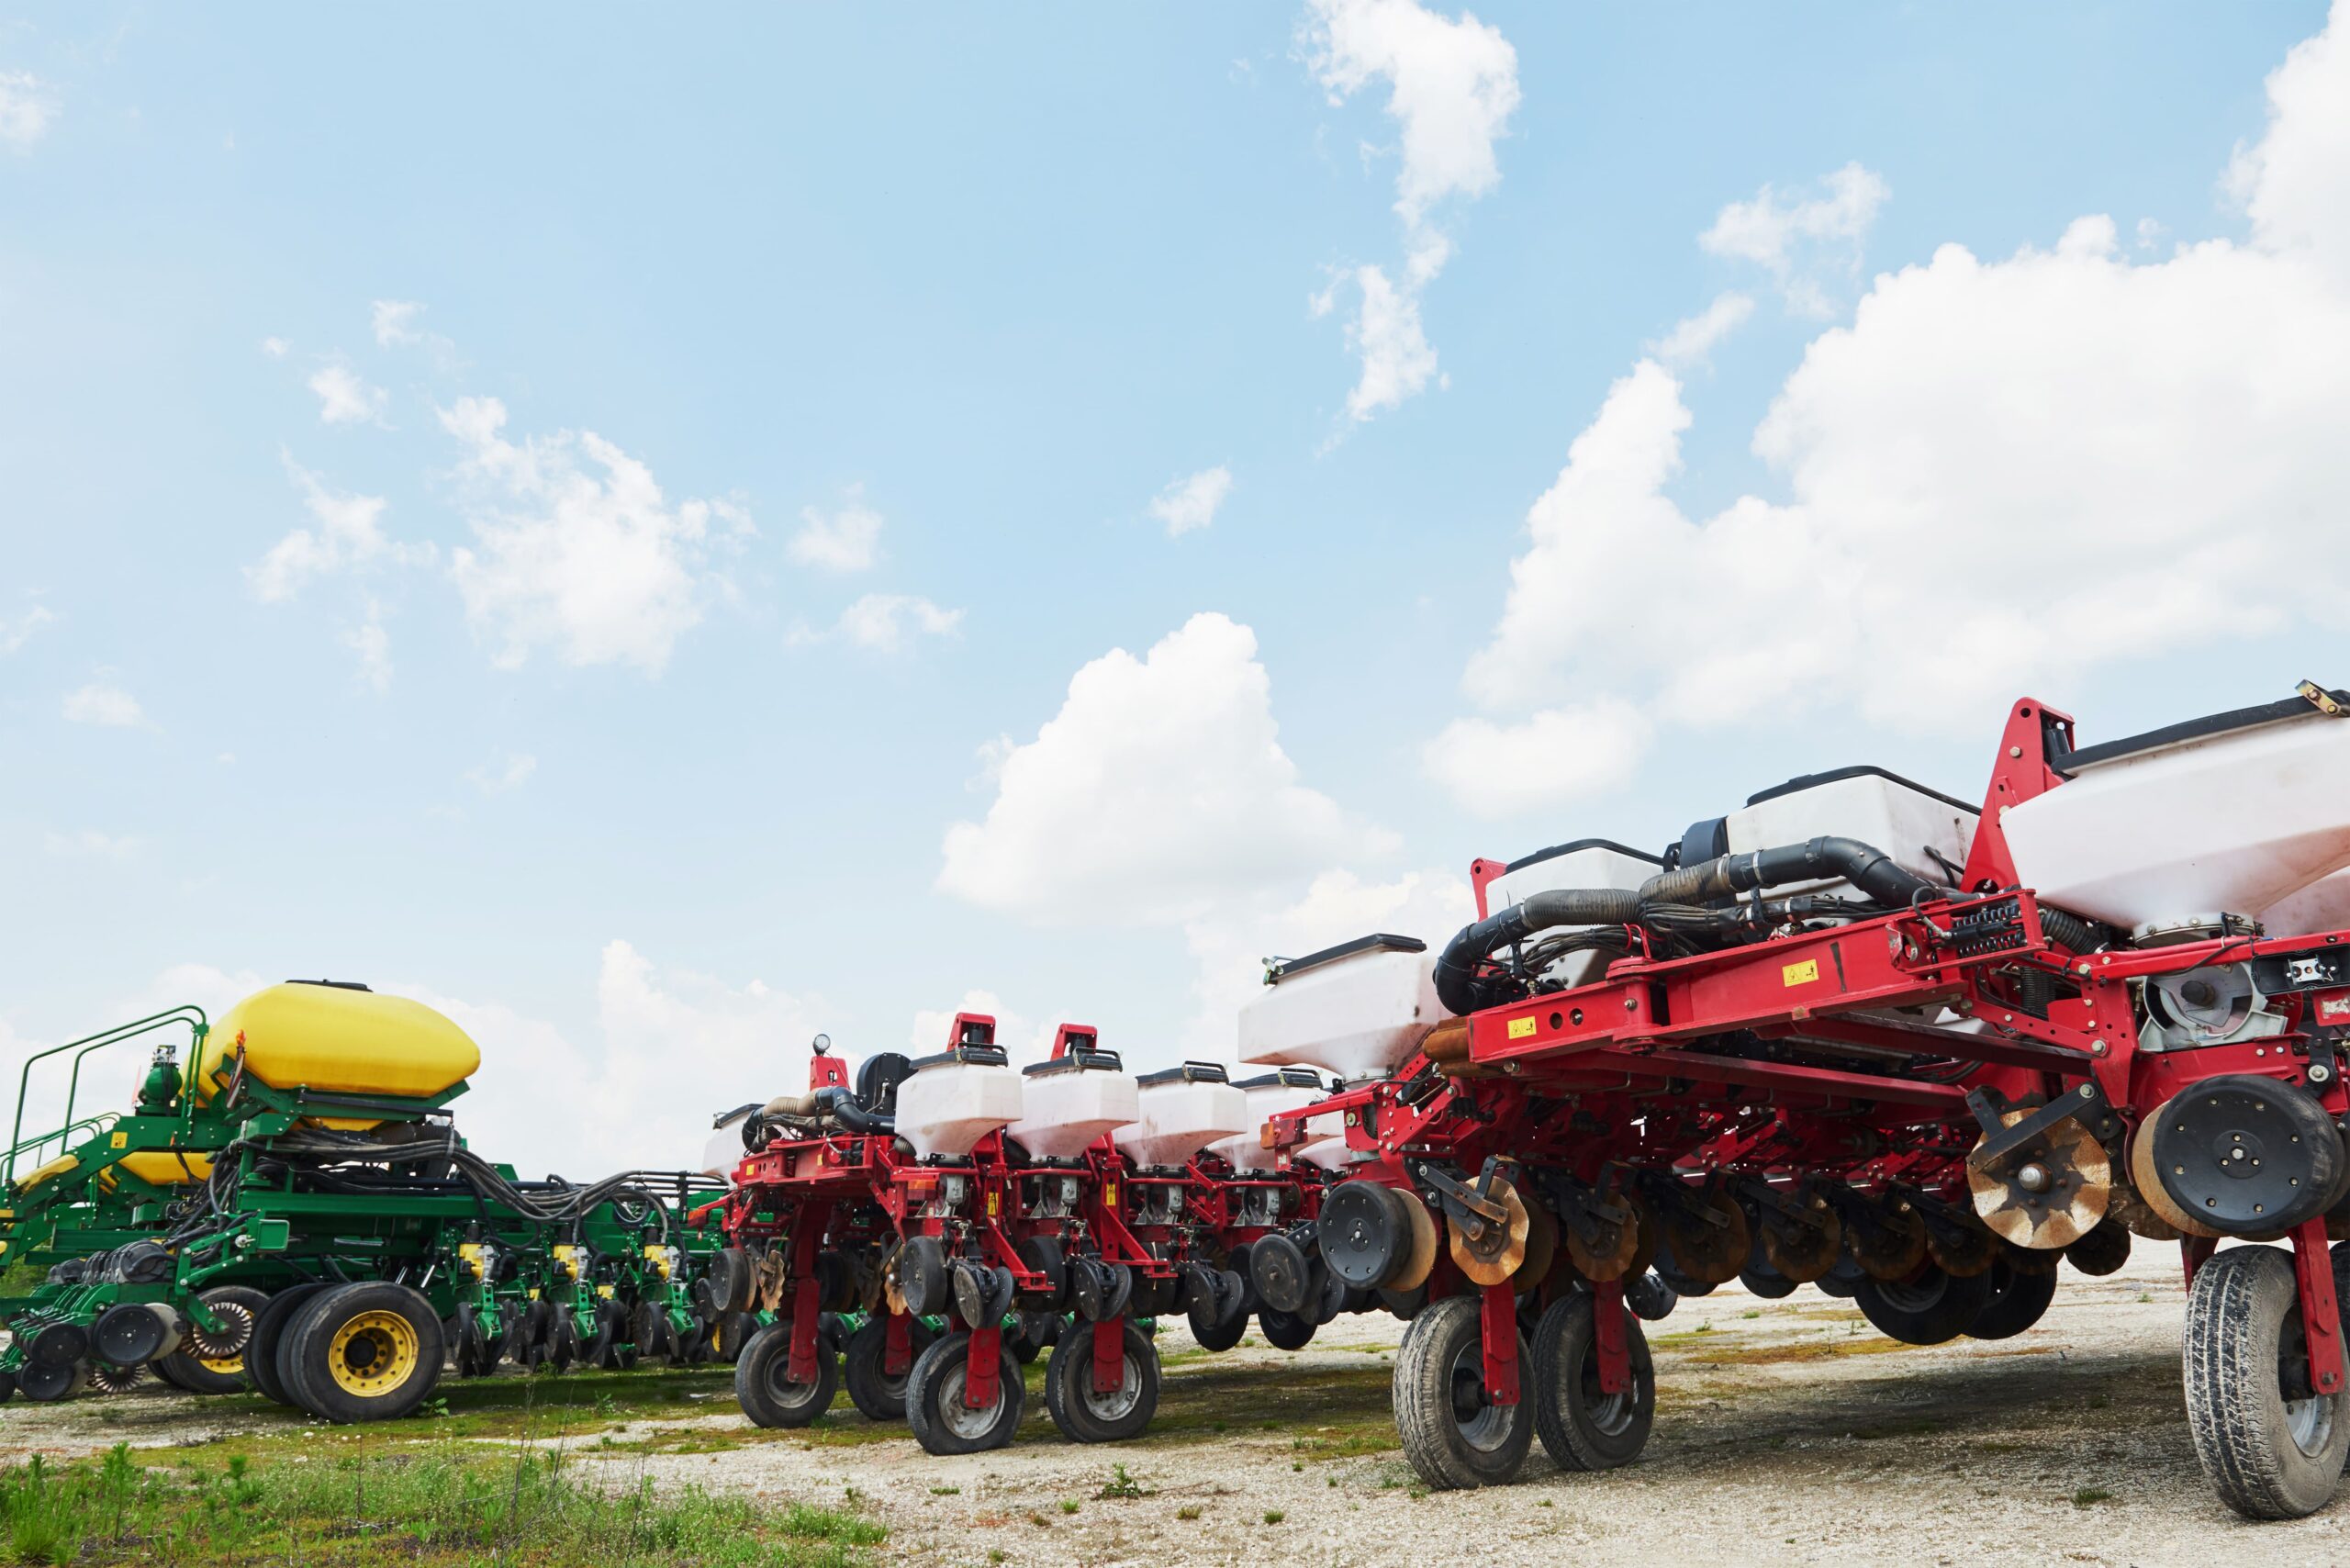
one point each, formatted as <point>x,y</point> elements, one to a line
<point>2090,1496</point>
<point>1039,1520</point>
<point>1187,1512</point>
<point>1121,1484</point>
<point>435,1506</point>
<point>1274,1516</point>
<point>948,1491</point>
<point>1069,1505</point>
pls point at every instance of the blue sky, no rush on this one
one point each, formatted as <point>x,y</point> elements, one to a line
<point>910,319</point>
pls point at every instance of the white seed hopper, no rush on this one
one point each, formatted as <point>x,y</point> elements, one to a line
<point>1882,810</point>
<point>1070,1101</point>
<point>1287,1088</point>
<point>1184,1109</point>
<point>951,1101</point>
<point>1585,863</point>
<point>2323,905</point>
<point>1356,1010</point>
<point>2231,815</point>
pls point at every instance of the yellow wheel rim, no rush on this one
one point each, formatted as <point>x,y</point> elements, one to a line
<point>223,1366</point>
<point>373,1353</point>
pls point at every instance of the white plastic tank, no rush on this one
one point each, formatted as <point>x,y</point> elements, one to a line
<point>2231,815</point>
<point>951,1102</point>
<point>1356,1010</point>
<point>1072,1101</point>
<point>1184,1109</point>
<point>1286,1090</point>
<point>1882,810</point>
<point>1325,1144</point>
<point>724,1151</point>
<point>1585,863</point>
<point>2323,906</point>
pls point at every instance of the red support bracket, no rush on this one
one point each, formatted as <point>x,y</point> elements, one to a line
<point>898,1351</point>
<point>1501,1344</point>
<point>1109,1355</point>
<point>983,1372</point>
<point>1607,1328</point>
<point>804,1329</point>
<point>2194,1251</point>
<point>2321,1314</point>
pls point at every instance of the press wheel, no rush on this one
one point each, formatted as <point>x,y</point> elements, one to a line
<point>1709,1254</point>
<point>2047,1198</point>
<point>1541,1248</point>
<point>1494,1256</point>
<point>2146,1178</point>
<point>1892,1248</point>
<point>2125,1208</point>
<point>1421,1259</point>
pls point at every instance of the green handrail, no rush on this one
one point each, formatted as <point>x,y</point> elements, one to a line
<point>65,1137</point>
<point>188,1014</point>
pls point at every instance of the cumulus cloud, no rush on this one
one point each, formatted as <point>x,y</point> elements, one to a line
<point>1692,340</point>
<point>1025,1038</point>
<point>1452,86</point>
<point>106,705</point>
<point>371,642</point>
<point>275,347</point>
<point>1160,788</point>
<point>887,622</point>
<point>344,398</point>
<point>1801,240</point>
<point>1558,753</point>
<point>2057,461</point>
<point>17,630</point>
<point>576,550</point>
<point>394,322</point>
<point>346,530</point>
<point>847,541</point>
<point>1193,503</point>
<point>498,777</point>
<point>29,105</point>
<point>90,843</point>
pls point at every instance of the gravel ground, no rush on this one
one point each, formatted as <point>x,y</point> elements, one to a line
<point>1786,1432</point>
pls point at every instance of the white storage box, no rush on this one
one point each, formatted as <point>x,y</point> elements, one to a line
<point>1069,1103</point>
<point>724,1151</point>
<point>1287,1090</point>
<point>1355,1010</point>
<point>951,1102</point>
<point>2231,815</point>
<point>1184,1109</point>
<point>1585,863</point>
<point>1880,808</point>
<point>2323,906</point>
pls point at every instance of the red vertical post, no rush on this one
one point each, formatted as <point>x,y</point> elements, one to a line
<point>1109,1355</point>
<point>2321,1314</point>
<point>1501,1343</point>
<point>2194,1251</point>
<point>898,1354</point>
<point>1615,1345</point>
<point>982,1373</point>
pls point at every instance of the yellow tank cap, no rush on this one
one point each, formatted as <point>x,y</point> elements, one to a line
<point>340,1040</point>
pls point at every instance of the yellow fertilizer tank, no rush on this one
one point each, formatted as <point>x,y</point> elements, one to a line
<point>337,1039</point>
<point>163,1168</point>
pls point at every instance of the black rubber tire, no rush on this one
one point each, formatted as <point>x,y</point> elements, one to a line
<point>191,1374</point>
<point>919,1269</point>
<point>880,1397</point>
<point>1766,1282</point>
<point>2017,1301</point>
<point>1285,1331</point>
<point>268,1337</point>
<point>45,1382</point>
<point>934,1387</point>
<point>1068,1389</point>
<point>763,1385</point>
<point>1580,1427</point>
<point>1044,1255</point>
<point>1405,1305</point>
<point>307,1356</point>
<point>1651,1298</point>
<point>1929,1308</point>
<point>2266,1460</point>
<point>1439,1381</point>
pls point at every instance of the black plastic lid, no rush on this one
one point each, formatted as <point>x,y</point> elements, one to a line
<point>726,1118</point>
<point>1190,1072</point>
<point>1864,770</point>
<point>1523,861</point>
<point>1075,1061</point>
<point>1287,1077</point>
<point>1280,970</point>
<point>2195,729</point>
<point>977,1056</point>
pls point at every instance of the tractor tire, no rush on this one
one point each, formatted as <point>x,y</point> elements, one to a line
<point>873,1391</point>
<point>1581,1426</point>
<point>2018,1300</point>
<point>763,1380</point>
<point>269,1338</point>
<point>1453,1438</point>
<point>1930,1307</point>
<point>363,1352</point>
<point>2272,1451</point>
<point>935,1409</point>
<point>1084,1416</point>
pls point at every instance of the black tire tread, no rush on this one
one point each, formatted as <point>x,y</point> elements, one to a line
<point>2234,1413</point>
<point>1423,1399</point>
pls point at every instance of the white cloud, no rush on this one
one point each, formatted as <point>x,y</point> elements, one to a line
<point>1800,242</point>
<point>1193,503</point>
<point>885,621</point>
<point>497,778</point>
<point>1453,85</point>
<point>1554,757</point>
<point>394,322</point>
<point>1023,1039</point>
<point>16,631</point>
<point>344,398</point>
<point>1229,946</point>
<point>2054,462</point>
<point>275,347</point>
<point>28,106</point>
<point>349,533</point>
<point>373,644</point>
<point>597,568</point>
<point>90,843</point>
<point>1160,788</point>
<point>848,541</point>
<point>1693,340</point>
<point>106,705</point>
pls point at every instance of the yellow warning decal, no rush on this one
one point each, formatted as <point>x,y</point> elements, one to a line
<point>1800,974</point>
<point>995,1203</point>
<point>1521,1028</point>
<point>119,1140</point>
